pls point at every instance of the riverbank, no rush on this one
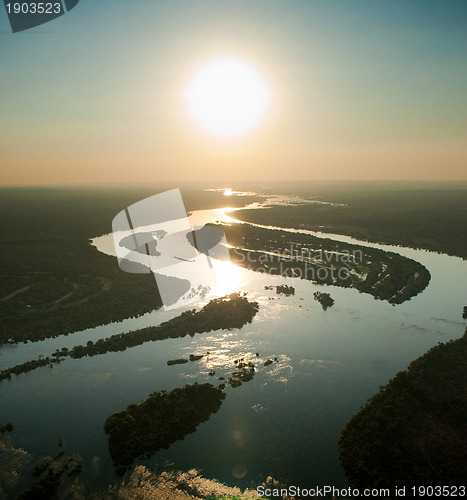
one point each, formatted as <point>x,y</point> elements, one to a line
<point>413,431</point>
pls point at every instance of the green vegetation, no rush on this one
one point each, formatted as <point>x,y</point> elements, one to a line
<point>168,485</point>
<point>285,290</point>
<point>324,299</point>
<point>195,357</point>
<point>51,474</point>
<point>27,367</point>
<point>231,311</point>
<point>426,216</point>
<point>413,431</point>
<point>13,462</point>
<point>244,373</point>
<point>384,275</point>
<point>52,281</point>
<point>159,421</point>
<point>179,361</point>
<point>8,427</point>
<point>282,289</point>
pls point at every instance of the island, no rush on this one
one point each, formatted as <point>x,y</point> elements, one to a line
<point>179,361</point>
<point>163,418</point>
<point>231,311</point>
<point>244,373</point>
<point>8,427</point>
<point>324,299</point>
<point>282,289</point>
<point>52,474</point>
<point>384,275</point>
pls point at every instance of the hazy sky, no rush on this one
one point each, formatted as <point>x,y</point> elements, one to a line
<point>360,89</point>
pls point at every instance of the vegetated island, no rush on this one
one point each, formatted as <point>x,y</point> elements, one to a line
<point>384,275</point>
<point>8,427</point>
<point>231,311</point>
<point>50,473</point>
<point>281,289</point>
<point>179,361</point>
<point>165,417</point>
<point>413,432</point>
<point>324,299</point>
<point>244,370</point>
<point>244,373</point>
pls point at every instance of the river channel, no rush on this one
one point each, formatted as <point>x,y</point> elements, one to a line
<point>286,421</point>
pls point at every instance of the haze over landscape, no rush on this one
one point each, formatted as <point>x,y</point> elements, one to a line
<point>233,250</point>
<point>358,90</point>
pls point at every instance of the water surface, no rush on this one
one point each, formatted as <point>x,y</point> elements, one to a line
<point>286,421</point>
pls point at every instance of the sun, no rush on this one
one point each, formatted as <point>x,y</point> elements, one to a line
<point>227,97</point>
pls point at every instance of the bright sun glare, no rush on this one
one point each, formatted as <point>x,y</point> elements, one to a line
<point>228,278</point>
<point>227,97</point>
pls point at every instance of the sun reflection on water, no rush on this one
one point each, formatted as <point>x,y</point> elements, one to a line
<point>228,278</point>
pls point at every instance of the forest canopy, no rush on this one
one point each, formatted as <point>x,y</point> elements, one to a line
<point>413,432</point>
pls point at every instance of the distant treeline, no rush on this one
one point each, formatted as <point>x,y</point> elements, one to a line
<point>61,286</point>
<point>384,275</point>
<point>231,311</point>
<point>413,432</point>
<point>433,219</point>
<point>165,417</point>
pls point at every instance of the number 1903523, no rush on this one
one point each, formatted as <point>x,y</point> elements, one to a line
<point>34,8</point>
<point>438,491</point>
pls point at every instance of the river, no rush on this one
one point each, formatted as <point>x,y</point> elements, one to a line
<point>286,421</point>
